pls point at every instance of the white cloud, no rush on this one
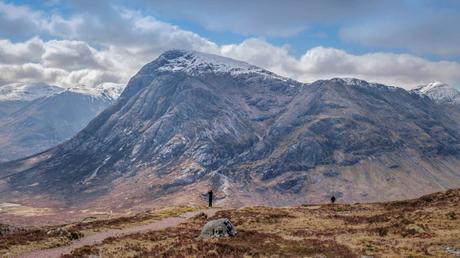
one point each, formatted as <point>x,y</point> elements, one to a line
<point>91,53</point>
<point>401,70</point>
<point>19,20</point>
<point>71,55</point>
<point>261,53</point>
<point>19,53</point>
<point>61,62</point>
<point>262,17</point>
<point>30,72</point>
<point>428,26</point>
<point>434,34</point>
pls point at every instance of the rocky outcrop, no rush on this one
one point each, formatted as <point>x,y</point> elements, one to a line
<point>218,228</point>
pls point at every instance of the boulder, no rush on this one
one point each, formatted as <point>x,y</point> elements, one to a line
<point>218,228</point>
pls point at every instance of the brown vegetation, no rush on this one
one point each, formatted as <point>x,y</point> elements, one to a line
<point>428,226</point>
<point>18,240</point>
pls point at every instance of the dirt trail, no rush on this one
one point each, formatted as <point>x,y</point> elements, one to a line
<point>99,237</point>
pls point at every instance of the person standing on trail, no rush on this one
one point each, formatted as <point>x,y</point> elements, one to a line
<point>333,199</point>
<point>210,193</point>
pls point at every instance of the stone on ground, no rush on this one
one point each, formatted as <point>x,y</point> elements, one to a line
<point>218,228</point>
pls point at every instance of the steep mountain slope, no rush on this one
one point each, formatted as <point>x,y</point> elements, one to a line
<point>440,92</point>
<point>188,121</point>
<point>38,116</point>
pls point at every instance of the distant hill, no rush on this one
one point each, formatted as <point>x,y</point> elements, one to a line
<point>36,117</point>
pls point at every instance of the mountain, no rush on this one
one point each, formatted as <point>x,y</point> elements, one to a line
<point>440,92</point>
<point>189,121</point>
<point>36,117</point>
<point>27,91</point>
<point>16,95</point>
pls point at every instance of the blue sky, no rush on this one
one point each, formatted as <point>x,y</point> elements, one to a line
<point>404,43</point>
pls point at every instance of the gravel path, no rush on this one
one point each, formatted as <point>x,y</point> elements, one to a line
<point>100,236</point>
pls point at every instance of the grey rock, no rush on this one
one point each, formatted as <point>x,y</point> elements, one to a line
<point>452,250</point>
<point>218,228</point>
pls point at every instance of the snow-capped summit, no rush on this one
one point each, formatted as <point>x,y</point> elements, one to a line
<point>259,141</point>
<point>35,117</point>
<point>106,90</point>
<point>362,83</point>
<point>194,62</point>
<point>32,91</point>
<point>27,91</point>
<point>440,92</point>
<point>353,81</point>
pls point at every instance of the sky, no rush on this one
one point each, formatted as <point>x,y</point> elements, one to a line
<point>87,43</point>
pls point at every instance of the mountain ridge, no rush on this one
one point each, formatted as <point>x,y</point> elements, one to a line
<point>33,120</point>
<point>440,92</point>
<point>255,137</point>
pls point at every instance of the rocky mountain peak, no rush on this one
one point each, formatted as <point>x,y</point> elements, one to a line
<point>198,63</point>
<point>433,85</point>
<point>361,83</point>
<point>440,92</point>
<point>27,91</point>
<point>190,120</point>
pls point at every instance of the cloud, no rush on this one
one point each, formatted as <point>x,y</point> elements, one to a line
<point>261,53</point>
<point>438,34</point>
<point>421,27</point>
<point>18,53</point>
<point>403,70</point>
<point>71,55</point>
<point>261,17</point>
<point>20,21</point>
<point>30,72</point>
<point>85,51</point>
<point>62,62</point>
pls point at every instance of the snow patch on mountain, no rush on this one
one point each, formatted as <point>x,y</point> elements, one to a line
<point>440,92</point>
<point>27,91</point>
<point>193,62</point>
<point>32,91</point>
<point>108,90</point>
<point>362,83</point>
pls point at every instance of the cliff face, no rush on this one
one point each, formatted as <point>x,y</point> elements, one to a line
<point>189,121</point>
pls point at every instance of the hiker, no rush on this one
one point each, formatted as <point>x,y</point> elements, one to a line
<point>333,199</point>
<point>210,198</point>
